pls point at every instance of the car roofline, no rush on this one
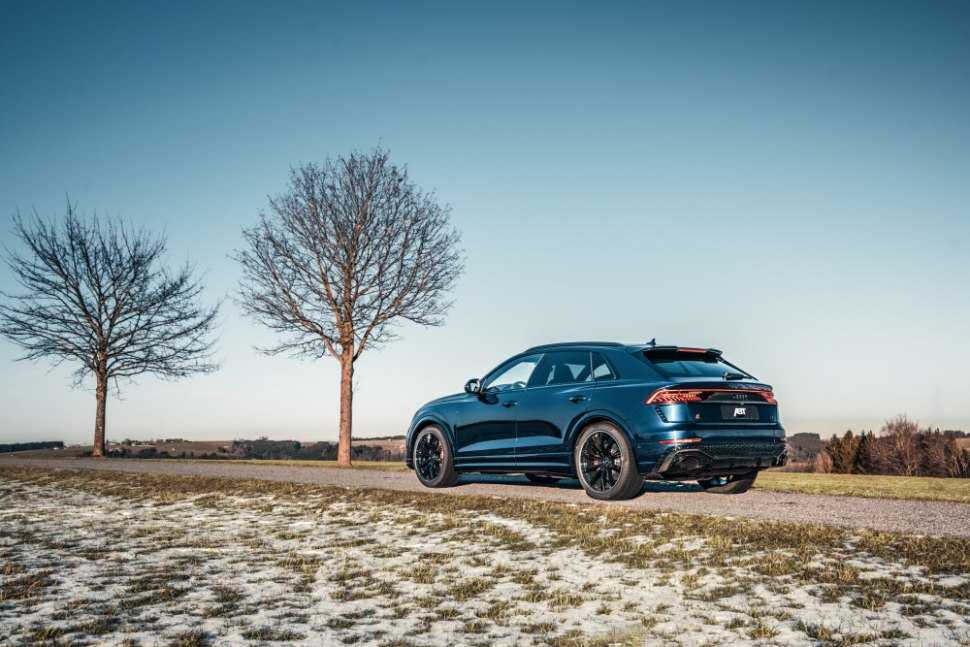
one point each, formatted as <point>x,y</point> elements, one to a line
<point>579,344</point>
<point>631,348</point>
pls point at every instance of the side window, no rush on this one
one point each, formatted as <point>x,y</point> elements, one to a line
<point>514,375</point>
<point>565,367</point>
<point>601,369</point>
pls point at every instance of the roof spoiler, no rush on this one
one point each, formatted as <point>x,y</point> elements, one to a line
<point>682,349</point>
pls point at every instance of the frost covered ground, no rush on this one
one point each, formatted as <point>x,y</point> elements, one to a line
<point>109,558</point>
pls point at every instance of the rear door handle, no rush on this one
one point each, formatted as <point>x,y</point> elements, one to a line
<point>509,403</point>
<point>577,398</point>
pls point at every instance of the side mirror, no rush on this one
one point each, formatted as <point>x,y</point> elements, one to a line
<point>473,386</point>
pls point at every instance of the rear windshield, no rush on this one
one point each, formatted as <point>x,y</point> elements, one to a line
<point>673,363</point>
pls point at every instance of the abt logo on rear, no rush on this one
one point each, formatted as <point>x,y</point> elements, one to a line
<point>740,411</point>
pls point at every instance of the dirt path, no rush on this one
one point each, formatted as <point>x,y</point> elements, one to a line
<point>912,517</point>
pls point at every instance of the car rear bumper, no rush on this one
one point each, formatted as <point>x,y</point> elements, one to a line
<point>708,460</point>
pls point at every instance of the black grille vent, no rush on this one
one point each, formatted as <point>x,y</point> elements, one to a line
<point>740,450</point>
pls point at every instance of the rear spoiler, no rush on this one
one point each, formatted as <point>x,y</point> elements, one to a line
<point>682,349</point>
<point>713,384</point>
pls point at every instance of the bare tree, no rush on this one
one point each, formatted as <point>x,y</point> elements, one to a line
<point>97,294</point>
<point>898,450</point>
<point>942,455</point>
<point>351,248</point>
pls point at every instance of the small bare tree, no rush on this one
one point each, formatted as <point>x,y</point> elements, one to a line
<point>898,450</point>
<point>97,293</point>
<point>351,248</point>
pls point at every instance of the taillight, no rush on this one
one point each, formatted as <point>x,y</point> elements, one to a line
<point>673,396</point>
<point>679,396</point>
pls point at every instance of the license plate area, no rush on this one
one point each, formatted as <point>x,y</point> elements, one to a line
<point>739,412</point>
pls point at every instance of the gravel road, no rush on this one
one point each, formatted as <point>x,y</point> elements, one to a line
<point>911,517</point>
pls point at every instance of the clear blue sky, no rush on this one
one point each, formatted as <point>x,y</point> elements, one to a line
<point>789,182</point>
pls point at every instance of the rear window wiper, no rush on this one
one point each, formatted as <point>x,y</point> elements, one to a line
<point>735,376</point>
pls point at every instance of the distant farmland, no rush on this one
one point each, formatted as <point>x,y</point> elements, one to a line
<point>181,448</point>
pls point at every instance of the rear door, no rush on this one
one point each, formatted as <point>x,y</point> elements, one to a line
<point>558,392</point>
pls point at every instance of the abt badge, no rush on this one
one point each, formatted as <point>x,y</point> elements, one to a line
<point>739,412</point>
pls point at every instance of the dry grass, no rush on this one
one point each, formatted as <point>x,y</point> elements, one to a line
<point>885,487</point>
<point>269,561</point>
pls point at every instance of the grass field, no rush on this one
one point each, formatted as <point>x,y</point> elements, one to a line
<point>89,556</point>
<point>888,487</point>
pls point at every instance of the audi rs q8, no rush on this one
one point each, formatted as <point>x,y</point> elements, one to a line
<point>608,414</point>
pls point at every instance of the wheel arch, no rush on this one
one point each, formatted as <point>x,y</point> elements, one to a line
<point>591,418</point>
<point>416,427</point>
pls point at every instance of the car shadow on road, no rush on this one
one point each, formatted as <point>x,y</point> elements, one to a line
<point>573,484</point>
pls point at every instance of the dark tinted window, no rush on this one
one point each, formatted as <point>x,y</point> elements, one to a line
<point>601,368</point>
<point>564,367</point>
<point>673,363</point>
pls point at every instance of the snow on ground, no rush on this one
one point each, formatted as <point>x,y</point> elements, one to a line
<point>251,568</point>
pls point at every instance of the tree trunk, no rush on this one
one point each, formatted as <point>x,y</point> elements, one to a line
<point>346,408</point>
<point>102,395</point>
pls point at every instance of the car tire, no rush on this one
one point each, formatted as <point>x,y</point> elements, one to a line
<point>619,478</point>
<point>542,479</point>
<point>735,484</point>
<point>434,462</point>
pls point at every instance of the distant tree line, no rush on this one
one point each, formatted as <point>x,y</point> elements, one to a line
<point>260,449</point>
<point>129,451</point>
<point>953,433</point>
<point>902,449</point>
<point>294,450</point>
<point>23,447</point>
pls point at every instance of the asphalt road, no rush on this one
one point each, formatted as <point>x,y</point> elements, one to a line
<point>911,517</point>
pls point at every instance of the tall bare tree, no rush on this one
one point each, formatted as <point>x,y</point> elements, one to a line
<point>97,293</point>
<point>348,250</point>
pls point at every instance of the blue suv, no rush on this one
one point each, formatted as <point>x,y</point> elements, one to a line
<point>608,414</point>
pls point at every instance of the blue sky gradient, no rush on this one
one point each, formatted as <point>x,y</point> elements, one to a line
<point>785,181</point>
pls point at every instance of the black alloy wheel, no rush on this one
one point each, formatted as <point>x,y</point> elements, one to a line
<point>434,464</point>
<point>427,457</point>
<point>606,464</point>
<point>602,462</point>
